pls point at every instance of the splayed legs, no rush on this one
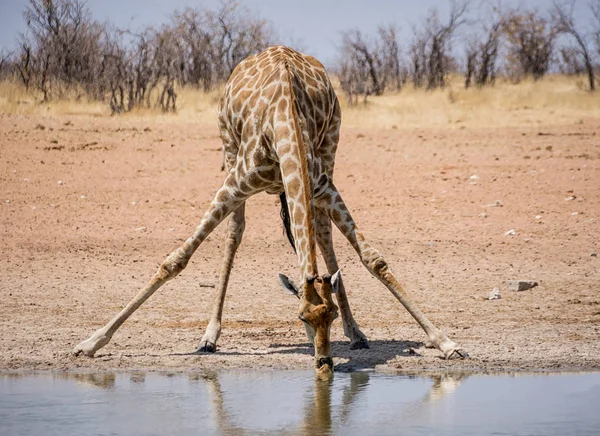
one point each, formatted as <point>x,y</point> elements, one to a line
<point>227,199</point>
<point>332,204</point>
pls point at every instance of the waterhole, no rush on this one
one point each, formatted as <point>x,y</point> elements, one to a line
<point>293,402</point>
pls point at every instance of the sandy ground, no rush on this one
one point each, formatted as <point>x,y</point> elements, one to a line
<point>73,253</point>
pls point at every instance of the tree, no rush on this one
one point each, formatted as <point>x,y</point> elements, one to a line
<point>370,65</point>
<point>531,38</point>
<point>482,56</point>
<point>431,46</point>
<point>563,15</point>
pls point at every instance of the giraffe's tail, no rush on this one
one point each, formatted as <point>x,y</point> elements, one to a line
<point>285,217</point>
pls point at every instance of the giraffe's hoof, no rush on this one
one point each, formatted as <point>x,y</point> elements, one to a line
<point>457,353</point>
<point>360,344</point>
<point>91,345</point>
<point>207,347</point>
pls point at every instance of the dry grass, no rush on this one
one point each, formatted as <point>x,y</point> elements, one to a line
<point>15,99</point>
<point>554,100</point>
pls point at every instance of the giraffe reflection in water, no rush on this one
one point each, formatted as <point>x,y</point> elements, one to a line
<point>322,413</point>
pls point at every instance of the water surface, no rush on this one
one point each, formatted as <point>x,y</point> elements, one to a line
<point>292,402</point>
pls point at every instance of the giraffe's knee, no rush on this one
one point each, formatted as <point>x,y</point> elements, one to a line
<point>378,265</point>
<point>173,264</point>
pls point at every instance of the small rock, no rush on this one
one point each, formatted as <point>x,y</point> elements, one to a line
<point>140,229</point>
<point>496,203</point>
<point>538,217</point>
<point>7,201</point>
<point>574,213</point>
<point>60,182</point>
<point>495,294</point>
<point>40,127</point>
<point>510,232</point>
<point>521,285</point>
<point>82,196</point>
<point>483,215</point>
<point>570,198</point>
<point>593,254</point>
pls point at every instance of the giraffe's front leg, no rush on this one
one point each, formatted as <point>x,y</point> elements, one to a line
<point>324,238</point>
<point>228,198</point>
<point>331,202</point>
<point>235,230</point>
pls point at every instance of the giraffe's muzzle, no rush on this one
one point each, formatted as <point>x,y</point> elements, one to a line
<point>324,361</point>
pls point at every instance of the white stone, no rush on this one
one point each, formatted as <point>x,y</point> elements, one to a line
<point>495,294</point>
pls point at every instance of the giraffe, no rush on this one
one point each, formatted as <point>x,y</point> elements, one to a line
<point>279,120</point>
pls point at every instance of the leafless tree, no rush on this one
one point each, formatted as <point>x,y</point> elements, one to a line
<point>431,46</point>
<point>531,39</point>
<point>482,55</point>
<point>371,65</point>
<point>563,16</point>
<point>60,50</point>
<point>360,72</point>
<point>595,8</point>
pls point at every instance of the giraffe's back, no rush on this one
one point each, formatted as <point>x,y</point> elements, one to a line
<point>255,86</point>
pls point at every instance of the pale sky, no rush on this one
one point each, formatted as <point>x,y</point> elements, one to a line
<point>316,24</point>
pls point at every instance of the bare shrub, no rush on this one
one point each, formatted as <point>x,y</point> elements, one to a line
<point>482,55</point>
<point>431,61</point>
<point>531,38</point>
<point>371,65</point>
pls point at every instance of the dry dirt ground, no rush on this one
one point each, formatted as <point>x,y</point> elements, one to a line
<point>74,252</point>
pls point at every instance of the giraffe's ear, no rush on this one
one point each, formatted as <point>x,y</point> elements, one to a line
<point>335,281</point>
<point>289,287</point>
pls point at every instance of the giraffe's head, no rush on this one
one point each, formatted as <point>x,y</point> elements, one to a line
<point>317,311</point>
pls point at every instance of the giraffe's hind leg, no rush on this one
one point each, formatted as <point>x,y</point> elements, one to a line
<point>227,199</point>
<point>324,238</point>
<point>330,201</point>
<point>235,230</point>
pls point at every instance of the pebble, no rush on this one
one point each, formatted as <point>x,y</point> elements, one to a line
<point>496,203</point>
<point>538,217</point>
<point>60,182</point>
<point>510,232</point>
<point>495,294</point>
<point>521,285</point>
<point>483,215</point>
